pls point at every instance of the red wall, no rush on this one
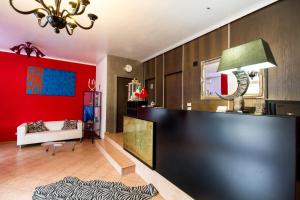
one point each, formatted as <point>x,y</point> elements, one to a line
<point>17,107</point>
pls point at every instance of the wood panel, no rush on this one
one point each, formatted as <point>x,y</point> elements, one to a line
<point>212,44</point>
<point>150,86</point>
<point>173,61</point>
<point>159,80</point>
<point>191,73</point>
<point>149,69</point>
<point>173,91</point>
<point>279,25</point>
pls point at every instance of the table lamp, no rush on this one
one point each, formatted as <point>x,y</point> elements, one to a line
<point>239,60</point>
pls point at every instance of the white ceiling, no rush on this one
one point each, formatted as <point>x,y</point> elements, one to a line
<point>137,29</point>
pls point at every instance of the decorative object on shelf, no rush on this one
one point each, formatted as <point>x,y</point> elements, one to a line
<point>138,92</point>
<point>252,74</point>
<point>45,81</point>
<point>92,84</point>
<point>128,68</point>
<point>58,17</point>
<point>144,93</point>
<point>247,57</point>
<point>134,88</point>
<point>141,93</point>
<point>92,113</point>
<point>260,107</point>
<point>28,48</point>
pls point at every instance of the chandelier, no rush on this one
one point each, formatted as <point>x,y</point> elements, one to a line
<point>60,18</point>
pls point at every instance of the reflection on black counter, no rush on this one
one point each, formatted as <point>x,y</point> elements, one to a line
<point>226,156</point>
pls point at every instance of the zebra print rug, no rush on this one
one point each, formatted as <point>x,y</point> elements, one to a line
<point>72,188</point>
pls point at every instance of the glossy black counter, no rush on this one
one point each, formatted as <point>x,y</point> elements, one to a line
<point>213,156</point>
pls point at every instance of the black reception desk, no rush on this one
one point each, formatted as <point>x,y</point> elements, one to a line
<point>225,156</point>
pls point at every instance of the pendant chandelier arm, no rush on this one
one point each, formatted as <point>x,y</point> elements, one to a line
<point>57,2</point>
<point>27,12</point>
<point>77,13</point>
<point>52,11</point>
<point>77,8</point>
<point>42,25</point>
<point>20,49</point>
<point>81,12</point>
<point>63,12</point>
<point>70,32</point>
<point>83,27</point>
<point>48,8</point>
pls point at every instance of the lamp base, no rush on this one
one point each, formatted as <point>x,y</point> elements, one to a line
<point>238,104</point>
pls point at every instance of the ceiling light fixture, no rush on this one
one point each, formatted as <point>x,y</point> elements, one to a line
<point>28,48</point>
<point>60,18</point>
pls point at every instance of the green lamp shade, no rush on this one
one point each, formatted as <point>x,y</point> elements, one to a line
<point>251,56</point>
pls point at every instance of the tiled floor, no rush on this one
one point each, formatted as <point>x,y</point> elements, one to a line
<point>22,170</point>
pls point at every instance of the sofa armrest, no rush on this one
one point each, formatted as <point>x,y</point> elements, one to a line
<point>79,125</point>
<point>22,129</point>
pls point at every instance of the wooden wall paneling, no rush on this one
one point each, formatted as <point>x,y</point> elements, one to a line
<point>150,86</point>
<point>218,41</point>
<point>159,80</point>
<point>211,46</point>
<point>173,91</point>
<point>279,25</point>
<point>173,61</point>
<point>191,73</point>
<point>149,69</point>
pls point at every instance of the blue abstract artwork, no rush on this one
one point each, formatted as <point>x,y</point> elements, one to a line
<point>45,81</point>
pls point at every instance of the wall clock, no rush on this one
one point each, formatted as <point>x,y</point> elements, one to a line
<point>128,68</point>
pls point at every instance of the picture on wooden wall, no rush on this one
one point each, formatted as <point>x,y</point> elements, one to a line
<point>213,82</point>
<point>53,82</point>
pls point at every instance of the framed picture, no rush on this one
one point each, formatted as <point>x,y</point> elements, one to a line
<point>53,82</point>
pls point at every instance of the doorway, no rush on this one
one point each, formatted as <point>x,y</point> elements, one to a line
<point>122,95</point>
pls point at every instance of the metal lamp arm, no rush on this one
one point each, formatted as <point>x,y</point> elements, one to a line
<point>77,8</point>
<point>44,5</point>
<point>83,27</point>
<point>70,32</point>
<point>26,12</point>
<point>73,13</point>
<point>42,25</point>
<point>81,12</point>
<point>76,13</point>
<point>63,12</point>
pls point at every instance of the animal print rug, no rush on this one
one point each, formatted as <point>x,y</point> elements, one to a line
<point>72,188</point>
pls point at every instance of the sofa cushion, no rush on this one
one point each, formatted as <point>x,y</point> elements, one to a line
<point>70,124</point>
<point>34,127</point>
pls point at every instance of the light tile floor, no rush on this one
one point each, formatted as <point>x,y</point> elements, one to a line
<point>23,170</point>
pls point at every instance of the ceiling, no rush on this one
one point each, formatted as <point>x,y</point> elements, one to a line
<point>137,29</point>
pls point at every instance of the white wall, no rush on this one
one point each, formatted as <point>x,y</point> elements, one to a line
<point>101,82</point>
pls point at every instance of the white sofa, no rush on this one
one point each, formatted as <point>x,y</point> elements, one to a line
<point>54,134</point>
